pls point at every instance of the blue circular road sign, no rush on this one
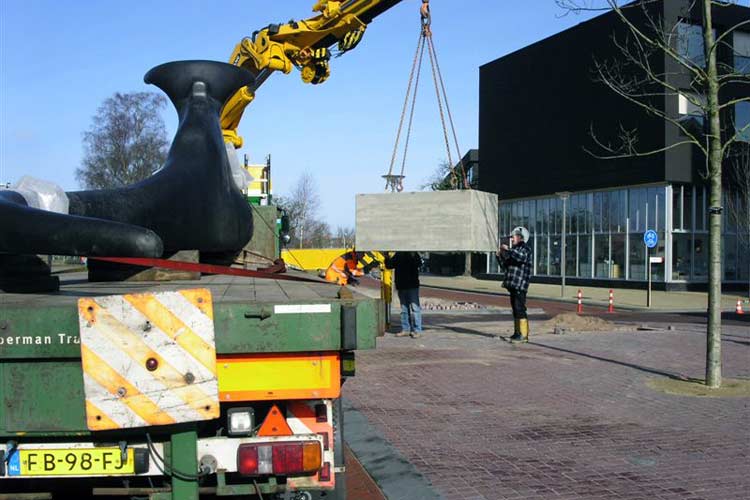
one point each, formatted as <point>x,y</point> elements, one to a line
<point>650,238</point>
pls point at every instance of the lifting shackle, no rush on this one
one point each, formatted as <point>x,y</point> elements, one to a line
<point>424,12</point>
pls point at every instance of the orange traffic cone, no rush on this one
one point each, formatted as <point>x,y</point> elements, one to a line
<point>580,302</point>
<point>611,307</point>
<point>739,310</point>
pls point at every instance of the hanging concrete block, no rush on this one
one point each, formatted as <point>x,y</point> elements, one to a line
<point>433,221</point>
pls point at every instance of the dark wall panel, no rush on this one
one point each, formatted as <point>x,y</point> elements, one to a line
<point>538,107</point>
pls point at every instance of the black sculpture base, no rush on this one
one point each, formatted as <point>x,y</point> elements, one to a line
<point>26,274</point>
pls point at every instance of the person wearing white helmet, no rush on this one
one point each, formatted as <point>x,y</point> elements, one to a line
<point>516,261</point>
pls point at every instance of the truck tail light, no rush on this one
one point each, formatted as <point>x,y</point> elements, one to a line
<point>285,458</point>
<point>325,472</point>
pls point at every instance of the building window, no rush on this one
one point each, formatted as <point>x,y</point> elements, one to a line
<point>658,270</point>
<point>742,121</point>
<point>584,256</point>
<point>554,256</point>
<point>700,208</point>
<point>690,43</point>
<point>540,217</point>
<point>571,252</point>
<point>681,257</point>
<point>541,255</point>
<point>637,257</point>
<point>744,267</point>
<point>602,262</point>
<point>637,211</point>
<point>677,207</point>
<point>700,257</point>
<point>742,52</point>
<point>618,256</point>
<point>687,208</point>
<point>655,209</point>
<point>730,261</point>
<point>691,114</point>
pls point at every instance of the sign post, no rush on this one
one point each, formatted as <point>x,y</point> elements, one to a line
<point>650,238</point>
<point>564,196</point>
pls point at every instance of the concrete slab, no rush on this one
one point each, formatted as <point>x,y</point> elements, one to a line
<point>435,221</point>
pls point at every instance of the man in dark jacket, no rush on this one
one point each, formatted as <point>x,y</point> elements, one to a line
<point>517,261</point>
<point>406,265</point>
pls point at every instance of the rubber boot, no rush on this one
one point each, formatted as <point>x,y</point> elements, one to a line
<point>523,325</point>
<point>517,337</point>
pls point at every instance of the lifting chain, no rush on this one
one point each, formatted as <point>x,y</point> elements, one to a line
<point>395,182</point>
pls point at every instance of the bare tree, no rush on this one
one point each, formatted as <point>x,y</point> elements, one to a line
<point>345,236</point>
<point>319,235</point>
<point>445,177</point>
<point>636,78</point>
<point>738,200</point>
<point>126,142</point>
<point>302,205</point>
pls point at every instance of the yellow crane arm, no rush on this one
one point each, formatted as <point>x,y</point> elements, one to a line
<point>303,44</point>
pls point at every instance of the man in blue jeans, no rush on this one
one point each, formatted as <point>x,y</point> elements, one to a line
<point>406,265</point>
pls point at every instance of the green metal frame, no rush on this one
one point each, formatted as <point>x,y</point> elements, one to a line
<point>40,382</point>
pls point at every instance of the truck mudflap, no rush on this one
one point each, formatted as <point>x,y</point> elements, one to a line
<point>306,457</point>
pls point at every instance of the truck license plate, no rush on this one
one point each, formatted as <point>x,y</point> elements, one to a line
<point>71,462</point>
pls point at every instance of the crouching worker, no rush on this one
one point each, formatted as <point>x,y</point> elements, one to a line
<point>516,260</point>
<point>344,270</point>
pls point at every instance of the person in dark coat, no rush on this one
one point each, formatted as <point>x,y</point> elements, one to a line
<point>406,265</point>
<point>516,260</point>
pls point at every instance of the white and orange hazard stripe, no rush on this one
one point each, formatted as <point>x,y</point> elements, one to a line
<point>148,359</point>
<point>302,419</point>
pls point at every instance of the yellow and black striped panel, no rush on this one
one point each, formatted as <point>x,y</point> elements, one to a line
<point>148,359</point>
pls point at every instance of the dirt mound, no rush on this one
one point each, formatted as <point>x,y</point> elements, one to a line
<point>572,322</point>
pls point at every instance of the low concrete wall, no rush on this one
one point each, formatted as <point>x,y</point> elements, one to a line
<point>435,221</point>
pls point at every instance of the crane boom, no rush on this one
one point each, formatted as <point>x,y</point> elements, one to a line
<point>303,44</point>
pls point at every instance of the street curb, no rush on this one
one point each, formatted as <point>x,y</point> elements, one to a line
<point>574,301</point>
<point>395,476</point>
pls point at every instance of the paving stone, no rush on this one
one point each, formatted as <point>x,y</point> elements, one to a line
<point>562,417</point>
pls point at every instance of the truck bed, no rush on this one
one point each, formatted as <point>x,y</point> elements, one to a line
<point>225,290</point>
<point>40,367</point>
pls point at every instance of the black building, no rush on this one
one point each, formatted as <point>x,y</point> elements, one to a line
<point>540,108</point>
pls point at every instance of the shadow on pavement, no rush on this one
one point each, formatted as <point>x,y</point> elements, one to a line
<point>465,331</point>
<point>653,371</point>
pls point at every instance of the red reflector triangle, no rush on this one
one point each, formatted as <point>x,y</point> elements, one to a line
<point>275,424</point>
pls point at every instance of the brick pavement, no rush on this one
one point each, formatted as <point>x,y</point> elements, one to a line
<point>564,417</point>
<point>359,485</point>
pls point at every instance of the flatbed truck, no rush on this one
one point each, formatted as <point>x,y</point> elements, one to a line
<point>98,397</point>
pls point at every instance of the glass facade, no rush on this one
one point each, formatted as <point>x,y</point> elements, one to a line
<point>604,234</point>
<point>742,121</point>
<point>741,51</point>
<point>690,43</point>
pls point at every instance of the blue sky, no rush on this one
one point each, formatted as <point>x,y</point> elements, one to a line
<point>60,60</point>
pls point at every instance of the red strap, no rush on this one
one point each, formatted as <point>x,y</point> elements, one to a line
<point>194,267</point>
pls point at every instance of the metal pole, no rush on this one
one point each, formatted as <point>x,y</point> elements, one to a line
<point>648,263</point>
<point>562,248</point>
<point>564,195</point>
